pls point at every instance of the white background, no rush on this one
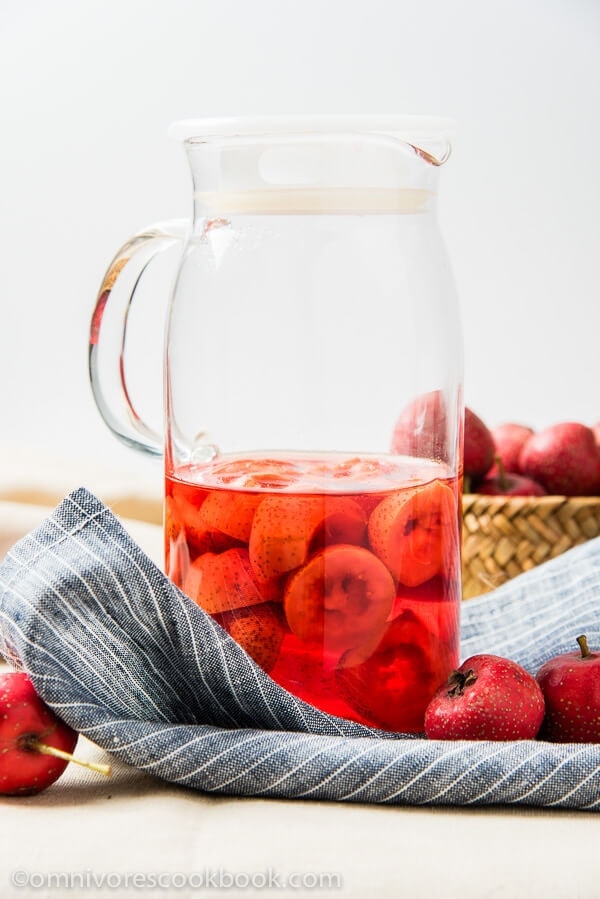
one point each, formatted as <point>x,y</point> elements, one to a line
<point>88,88</point>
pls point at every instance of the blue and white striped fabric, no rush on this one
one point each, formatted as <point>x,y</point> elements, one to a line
<point>138,668</point>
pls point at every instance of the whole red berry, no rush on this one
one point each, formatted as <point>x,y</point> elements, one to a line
<point>571,687</point>
<point>487,698</point>
<point>25,721</point>
<point>479,446</point>
<point>564,459</point>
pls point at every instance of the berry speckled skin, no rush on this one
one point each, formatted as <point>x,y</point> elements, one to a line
<point>421,428</point>
<point>258,629</point>
<point>509,439</point>
<point>571,687</point>
<point>487,698</point>
<point>479,446</point>
<point>564,459</point>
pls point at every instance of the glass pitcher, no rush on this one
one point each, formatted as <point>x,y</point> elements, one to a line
<point>313,414</point>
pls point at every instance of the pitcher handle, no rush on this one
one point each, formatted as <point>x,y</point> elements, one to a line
<point>108,335</point>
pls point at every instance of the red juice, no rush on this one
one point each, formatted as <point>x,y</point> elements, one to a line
<point>339,575</point>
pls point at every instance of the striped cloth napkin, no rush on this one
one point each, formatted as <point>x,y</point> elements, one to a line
<point>143,672</point>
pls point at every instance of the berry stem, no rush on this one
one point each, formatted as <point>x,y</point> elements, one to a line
<point>583,645</point>
<point>502,479</point>
<point>45,749</point>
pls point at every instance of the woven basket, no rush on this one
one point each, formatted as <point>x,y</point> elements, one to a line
<point>505,536</point>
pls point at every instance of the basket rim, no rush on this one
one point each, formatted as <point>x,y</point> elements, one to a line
<point>550,500</point>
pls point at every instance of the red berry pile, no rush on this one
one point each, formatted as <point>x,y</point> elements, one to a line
<point>514,460</point>
<point>493,698</point>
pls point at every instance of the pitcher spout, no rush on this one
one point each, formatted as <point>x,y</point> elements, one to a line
<point>329,164</point>
<point>439,158</point>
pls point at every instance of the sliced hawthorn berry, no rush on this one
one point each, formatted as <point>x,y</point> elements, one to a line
<point>436,603</point>
<point>369,501</point>
<point>300,667</point>
<point>185,514</point>
<point>393,686</point>
<point>303,670</point>
<point>270,480</point>
<point>258,629</point>
<point>412,531</point>
<point>230,513</point>
<point>356,467</point>
<point>343,521</point>
<point>286,529</point>
<point>268,474</point>
<point>223,581</point>
<point>340,599</point>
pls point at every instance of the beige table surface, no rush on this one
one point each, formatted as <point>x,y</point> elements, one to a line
<point>91,836</point>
